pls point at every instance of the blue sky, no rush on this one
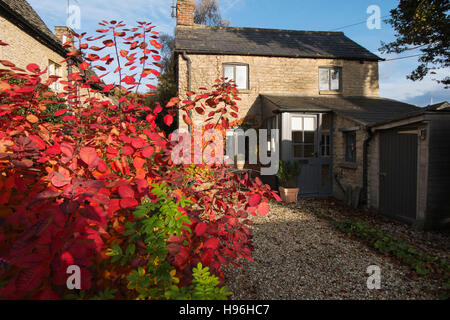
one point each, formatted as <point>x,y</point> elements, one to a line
<point>320,15</point>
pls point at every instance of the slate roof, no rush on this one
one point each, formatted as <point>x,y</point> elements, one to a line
<point>269,42</point>
<point>442,106</point>
<point>364,110</point>
<point>23,15</point>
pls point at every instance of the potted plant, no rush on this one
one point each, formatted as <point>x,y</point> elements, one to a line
<point>288,174</point>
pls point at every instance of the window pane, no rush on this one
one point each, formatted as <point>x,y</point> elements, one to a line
<point>296,124</point>
<point>228,72</point>
<point>350,146</point>
<point>241,77</point>
<point>51,69</point>
<point>325,144</point>
<point>309,137</point>
<point>297,137</point>
<point>326,121</point>
<point>297,151</point>
<point>324,79</point>
<point>309,150</point>
<point>335,79</point>
<point>310,124</point>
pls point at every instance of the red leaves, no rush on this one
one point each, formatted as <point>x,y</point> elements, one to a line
<point>128,203</point>
<point>34,68</point>
<point>129,80</point>
<point>155,44</point>
<point>60,179</point>
<point>211,243</point>
<point>108,43</point>
<point>60,112</point>
<point>7,63</point>
<point>187,120</point>
<point>31,118</point>
<point>138,143</point>
<point>148,152</point>
<point>263,209</point>
<point>200,111</point>
<point>200,228</point>
<point>126,192</point>
<point>254,200</point>
<point>168,120</point>
<point>89,156</point>
<point>84,65</point>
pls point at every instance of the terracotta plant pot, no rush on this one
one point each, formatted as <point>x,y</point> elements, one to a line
<point>289,195</point>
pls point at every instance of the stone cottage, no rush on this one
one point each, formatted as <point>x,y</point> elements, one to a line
<point>321,90</point>
<point>31,41</point>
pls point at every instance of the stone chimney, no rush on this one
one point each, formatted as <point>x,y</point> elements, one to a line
<point>64,34</point>
<point>185,12</point>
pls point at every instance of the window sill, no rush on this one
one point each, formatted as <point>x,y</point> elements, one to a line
<point>330,92</point>
<point>246,91</point>
<point>348,165</point>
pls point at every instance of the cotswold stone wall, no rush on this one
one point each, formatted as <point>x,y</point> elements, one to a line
<point>347,173</point>
<point>277,76</point>
<point>23,49</point>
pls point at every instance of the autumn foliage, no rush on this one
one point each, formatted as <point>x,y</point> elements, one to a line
<point>84,190</point>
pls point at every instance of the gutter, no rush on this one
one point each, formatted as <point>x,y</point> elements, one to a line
<point>186,58</point>
<point>366,165</point>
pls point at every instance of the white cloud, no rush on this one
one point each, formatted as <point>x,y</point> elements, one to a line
<point>394,85</point>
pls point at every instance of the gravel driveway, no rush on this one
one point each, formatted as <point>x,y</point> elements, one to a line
<point>298,257</point>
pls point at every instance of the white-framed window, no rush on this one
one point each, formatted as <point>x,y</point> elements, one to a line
<point>54,69</point>
<point>330,78</point>
<point>238,73</point>
<point>303,130</point>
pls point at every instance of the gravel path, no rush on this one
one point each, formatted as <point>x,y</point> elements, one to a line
<point>298,257</point>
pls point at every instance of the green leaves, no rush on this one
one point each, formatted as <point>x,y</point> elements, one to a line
<point>205,286</point>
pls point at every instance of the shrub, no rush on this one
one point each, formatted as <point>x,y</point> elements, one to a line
<point>288,173</point>
<point>97,187</point>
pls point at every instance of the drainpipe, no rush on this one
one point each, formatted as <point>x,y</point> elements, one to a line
<point>188,60</point>
<point>366,164</point>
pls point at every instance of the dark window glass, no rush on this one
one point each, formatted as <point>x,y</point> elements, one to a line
<point>325,144</point>
<point>350,146</point>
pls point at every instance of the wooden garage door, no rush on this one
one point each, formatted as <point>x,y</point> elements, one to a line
<point>398,173</point>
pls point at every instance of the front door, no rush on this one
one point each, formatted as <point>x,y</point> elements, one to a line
<point>310,145</point>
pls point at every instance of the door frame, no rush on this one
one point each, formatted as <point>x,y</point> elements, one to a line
<point>319,160</point>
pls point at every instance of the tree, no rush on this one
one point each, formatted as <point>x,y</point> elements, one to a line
<point>207,12</point>
<point>422,24</point>
<point>167,87</point>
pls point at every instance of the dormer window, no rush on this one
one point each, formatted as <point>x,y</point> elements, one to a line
<point>330,79</point>
<point>237,73</point>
